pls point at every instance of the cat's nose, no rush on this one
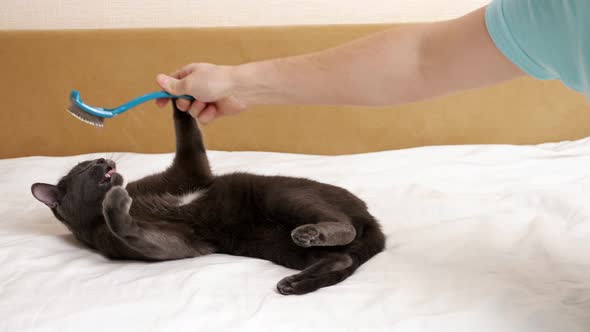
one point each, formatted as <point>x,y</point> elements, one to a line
<point>111,163</point>
<point>101,161</point>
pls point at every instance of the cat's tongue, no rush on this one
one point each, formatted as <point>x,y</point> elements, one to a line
<point>111,172</point>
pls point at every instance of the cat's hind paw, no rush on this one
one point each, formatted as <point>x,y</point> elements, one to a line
<point>307,236</point>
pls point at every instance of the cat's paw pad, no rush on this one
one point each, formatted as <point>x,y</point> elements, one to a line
<point>117,199</point>
<point>307,236</point>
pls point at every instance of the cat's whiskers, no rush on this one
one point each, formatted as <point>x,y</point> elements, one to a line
<point>117,156</point>
<point>114,156</point>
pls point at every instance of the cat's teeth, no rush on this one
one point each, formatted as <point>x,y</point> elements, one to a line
<point>107,175</point>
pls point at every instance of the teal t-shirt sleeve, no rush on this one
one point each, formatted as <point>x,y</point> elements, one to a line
<point>547,39</point>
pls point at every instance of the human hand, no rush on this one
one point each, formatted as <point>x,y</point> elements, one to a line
<point>210,84</point>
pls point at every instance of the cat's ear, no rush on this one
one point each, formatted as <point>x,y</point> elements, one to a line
<point>45,193</point>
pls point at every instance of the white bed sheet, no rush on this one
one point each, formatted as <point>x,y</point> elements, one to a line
<point>479,238</point>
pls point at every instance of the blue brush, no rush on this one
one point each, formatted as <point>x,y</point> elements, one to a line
<point>96,115</point>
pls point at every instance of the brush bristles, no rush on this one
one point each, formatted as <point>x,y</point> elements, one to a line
<point>85,117</point>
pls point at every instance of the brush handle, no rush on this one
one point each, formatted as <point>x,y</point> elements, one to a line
<point>148,97</point>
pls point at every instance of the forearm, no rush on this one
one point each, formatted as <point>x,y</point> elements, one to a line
<point>396,66</point>
<point>370,71</point>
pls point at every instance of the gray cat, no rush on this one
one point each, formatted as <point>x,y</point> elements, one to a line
<point>186,211</point>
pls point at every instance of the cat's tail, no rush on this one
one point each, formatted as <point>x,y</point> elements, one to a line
<point>369,243</point>
<point>337,266</point>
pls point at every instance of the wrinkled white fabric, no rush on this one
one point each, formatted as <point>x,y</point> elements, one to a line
<point>479,238</point>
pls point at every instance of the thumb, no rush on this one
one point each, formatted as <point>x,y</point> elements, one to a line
<point>171,84</point>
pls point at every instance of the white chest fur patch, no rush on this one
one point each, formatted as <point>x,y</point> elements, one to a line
<point>188,198</point>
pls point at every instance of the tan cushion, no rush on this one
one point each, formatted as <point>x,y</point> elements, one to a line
<point>110,67</point>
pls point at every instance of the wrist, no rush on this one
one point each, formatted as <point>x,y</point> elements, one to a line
<point>251,82</point>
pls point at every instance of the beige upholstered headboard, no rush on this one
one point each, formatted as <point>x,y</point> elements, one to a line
<point>39,69</point>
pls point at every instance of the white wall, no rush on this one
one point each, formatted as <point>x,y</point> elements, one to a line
<point>81,14</point>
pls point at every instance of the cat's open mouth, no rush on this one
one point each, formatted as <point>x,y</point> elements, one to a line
<point>108,175</point>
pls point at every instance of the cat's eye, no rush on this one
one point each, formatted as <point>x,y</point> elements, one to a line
<point>85,168</point>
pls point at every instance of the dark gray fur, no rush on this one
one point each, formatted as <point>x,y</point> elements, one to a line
<point>321,229</point>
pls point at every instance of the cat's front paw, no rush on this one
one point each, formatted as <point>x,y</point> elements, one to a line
<point>307,236</point>
<point>115,208</point>
<point>117,200</point>
<point>181,116</point>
